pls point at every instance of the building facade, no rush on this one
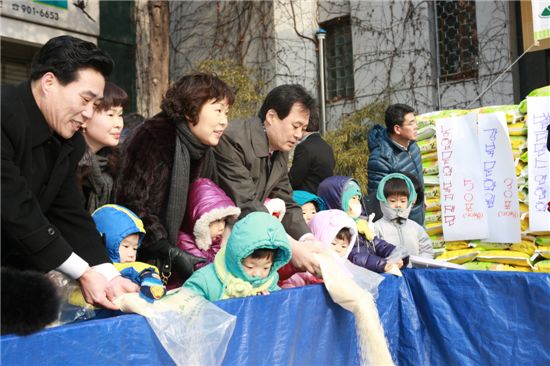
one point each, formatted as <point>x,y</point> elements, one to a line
<point>430,54</point>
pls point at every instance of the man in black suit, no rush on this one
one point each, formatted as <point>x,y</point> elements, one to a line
<point>44,224</point>
<point>313,159</point>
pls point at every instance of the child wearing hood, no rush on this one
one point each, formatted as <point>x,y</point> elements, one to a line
<point>310,204</point>
<point>335,230</point>
<point>208,211</point>
<point>397,195</point>
<point>372,252</point>
<point>123,232</point>
<point>247,265</point>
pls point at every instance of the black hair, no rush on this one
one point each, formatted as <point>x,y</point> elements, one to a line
<point>396,186</point>
<point>113,96</point>
<point>313,125</point>
<point>266,253</point>
<point>64,56</point>
<point>395,115</point>
<point>417,188</point>
<point>190,93</point>
<point>344,234</point>
<point>282,98</point>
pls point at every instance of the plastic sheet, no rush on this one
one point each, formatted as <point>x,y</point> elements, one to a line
<point>430,317</point>
<point>182,320</point>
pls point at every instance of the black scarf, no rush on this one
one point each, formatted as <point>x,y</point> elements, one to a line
<point>189,151</point>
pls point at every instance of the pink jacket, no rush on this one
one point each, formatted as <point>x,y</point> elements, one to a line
<point>206,203</point>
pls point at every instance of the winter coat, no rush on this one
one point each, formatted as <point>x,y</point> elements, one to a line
<point>145,179</point>
<point>367,254</point>
<point>43,219</point>
<point>313,161</point>
<point>96,176</point>
<point>257,230</point>
<point>324,226</point>
<point>386,156</point>
<point>206,203</point>
<point>242,158</point>
<point>395,226</point>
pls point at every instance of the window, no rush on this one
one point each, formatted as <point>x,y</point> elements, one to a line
<point>339,59</point>
<point>458,48</point>
<point>15,61</point>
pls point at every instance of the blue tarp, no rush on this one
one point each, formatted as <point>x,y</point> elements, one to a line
<point>431,317</point>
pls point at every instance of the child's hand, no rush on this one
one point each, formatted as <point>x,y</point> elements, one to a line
<point>263,292</point>
<point>392,269</point>
<point>363,228</point>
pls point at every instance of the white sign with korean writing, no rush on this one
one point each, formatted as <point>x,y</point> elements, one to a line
<point>538,118</point>
<point>500,187</point>
<point>463,211</point>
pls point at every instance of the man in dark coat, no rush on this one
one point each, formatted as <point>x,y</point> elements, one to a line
<point>44,224</point>
<point>394,150</point>
<point>252,159</point>
<point>313,159</point>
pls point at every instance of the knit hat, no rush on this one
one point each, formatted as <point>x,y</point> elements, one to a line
<point>350,189</point>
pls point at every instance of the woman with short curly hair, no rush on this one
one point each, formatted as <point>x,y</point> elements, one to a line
<point>165,154</point>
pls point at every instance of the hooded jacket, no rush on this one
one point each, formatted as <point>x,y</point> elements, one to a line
<point>256,230</point>
<point>115,223</point>
<point>386,156</point>
<point>370,255</point>
<point>206,203</point>
<point>324,226</point>
<point>303,197</point>
<point>395,226</point>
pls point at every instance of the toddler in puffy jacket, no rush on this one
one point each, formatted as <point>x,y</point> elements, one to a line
<point>208,212</point>
<point>123,232</point>
<point>372,252</point>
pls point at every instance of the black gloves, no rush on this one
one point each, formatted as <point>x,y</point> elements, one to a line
<point>182,262</point>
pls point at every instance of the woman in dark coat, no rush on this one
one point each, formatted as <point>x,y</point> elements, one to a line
<point>98,167</point>
<point>164,155</point>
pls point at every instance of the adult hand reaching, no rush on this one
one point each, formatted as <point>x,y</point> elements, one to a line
<point>121,285</point>
<point>96,290</point>
<point>302,255</point>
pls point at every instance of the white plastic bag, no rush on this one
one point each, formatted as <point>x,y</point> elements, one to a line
<point>191,329</point>
<point>70,311</point>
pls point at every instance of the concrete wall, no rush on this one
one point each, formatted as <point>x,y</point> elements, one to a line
<point>394,49</point>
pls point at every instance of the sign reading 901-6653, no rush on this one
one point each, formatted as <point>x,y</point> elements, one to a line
<point>35,11</point>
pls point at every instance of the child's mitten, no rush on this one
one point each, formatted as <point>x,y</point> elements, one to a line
<point>151,287</point>
<point>364,229</point>
<point>276,207</point>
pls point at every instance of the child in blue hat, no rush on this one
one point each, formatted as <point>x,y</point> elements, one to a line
<point>309,202</point>
<point>123,232</point>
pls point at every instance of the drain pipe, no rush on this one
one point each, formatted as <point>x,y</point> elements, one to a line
<point>321,34</point>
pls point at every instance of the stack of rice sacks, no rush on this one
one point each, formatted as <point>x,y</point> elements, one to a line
<point>427,142</point>
<point>532,253</point>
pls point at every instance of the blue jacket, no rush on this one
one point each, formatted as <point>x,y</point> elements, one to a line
<point>256,230</point>
<point>386,156</point>
<point>370,255</point>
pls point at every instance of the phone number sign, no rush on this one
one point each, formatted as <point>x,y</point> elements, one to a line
<point>81,16</point>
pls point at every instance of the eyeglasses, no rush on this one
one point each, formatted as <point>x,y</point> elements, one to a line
<point>412,124</point>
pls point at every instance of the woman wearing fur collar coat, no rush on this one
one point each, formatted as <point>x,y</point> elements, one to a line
<point>164,156</point>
